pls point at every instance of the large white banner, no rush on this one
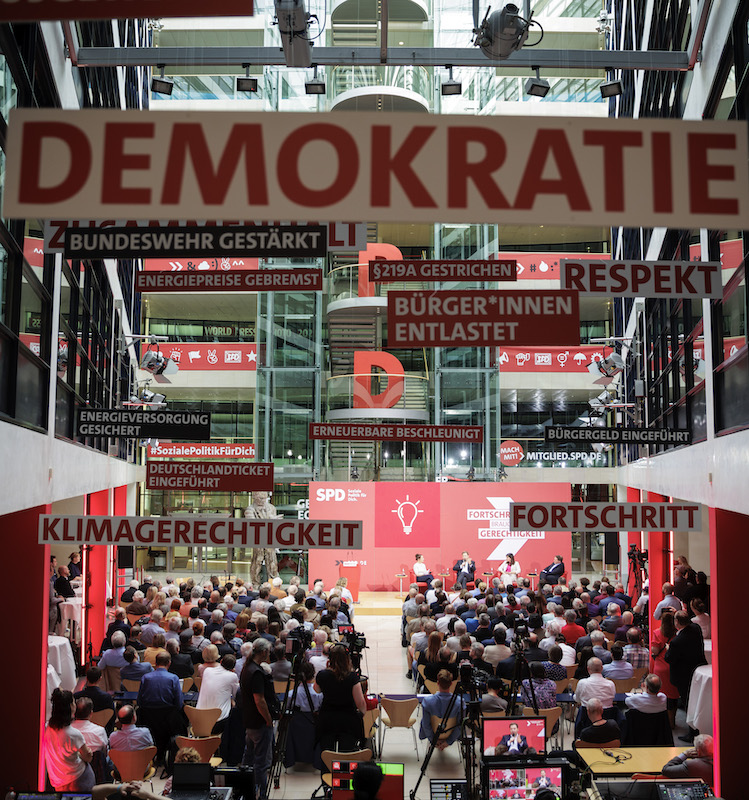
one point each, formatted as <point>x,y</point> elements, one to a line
<point>193,530</point>
<point>388,167</point>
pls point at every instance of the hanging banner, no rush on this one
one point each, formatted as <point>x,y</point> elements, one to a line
<point>392,168</point>
<point>482,318</point>
<point>670,279</point>
<point>547,359</point>
<point>261,280</point>
<point>568,433</point>
<point>141,423</point>
<point>200,450</point>
<point>54,10</point>
<point>212,356</point>
<point>390,271</point>
<point>606,516</point>
<point>364,432</point>
<point>216,476</point>
<point>200,531</point>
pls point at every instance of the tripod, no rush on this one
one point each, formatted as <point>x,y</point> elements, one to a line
<point>288,710</point>
<point>517,678</point>
<point>637,570</point>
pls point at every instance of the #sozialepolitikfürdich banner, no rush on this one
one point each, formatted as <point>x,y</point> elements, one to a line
<point>371,432</point>
<point>216,476</point>
<point>241,280</point>
<point>643,278</point>
<point>201,450</point>
<point>606,516</point>
<point>103,164</point>
<point>482,318</point>
<point>41,10</point>
<point>390,271</point>
<point>570,433</point>
<point>176,531</point>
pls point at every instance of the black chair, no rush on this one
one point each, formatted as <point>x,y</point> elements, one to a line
<point>648,730</point>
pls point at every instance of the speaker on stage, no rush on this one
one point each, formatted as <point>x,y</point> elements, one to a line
<point>125,557</point>
<point>611,548</point>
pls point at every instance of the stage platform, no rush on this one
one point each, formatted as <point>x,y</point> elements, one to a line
<point>383,604</point>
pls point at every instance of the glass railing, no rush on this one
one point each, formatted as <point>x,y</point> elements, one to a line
<point>563,90</point>
<point>343,391</point>
<point>412,78</point>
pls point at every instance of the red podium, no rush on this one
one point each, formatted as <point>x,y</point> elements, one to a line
<point>351,570</point>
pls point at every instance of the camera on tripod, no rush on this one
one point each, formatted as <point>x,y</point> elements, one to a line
<point>638,558</point>
<point>470,676</point>
<point>298,640</point>
<point>355,642</point>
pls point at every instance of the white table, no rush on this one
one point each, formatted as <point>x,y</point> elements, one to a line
<point>709,650</point>
<point>71,608</point>
<point>700,710</point>
<point>60,656</point>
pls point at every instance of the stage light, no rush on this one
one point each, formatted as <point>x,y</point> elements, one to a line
<point>601,447</point>
<point>293,21</point>
<point>157,363</point>
<point>153,399</point>
<point>605,369</point>
<point>160,84</point>
<point>502,33</point>
<point>451,87</point>
<point>471,474</point>
<point>315,85</point>
<point>244,82</point>
<point>502,474</point>
<point>354,473</point>
<point>611,89</point>
<point>537,87</point>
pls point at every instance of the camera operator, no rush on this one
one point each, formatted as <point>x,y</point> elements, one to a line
<point>343,704</point>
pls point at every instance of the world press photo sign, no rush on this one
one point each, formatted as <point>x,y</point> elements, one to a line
<point>111,164</point>
<point>40,10</point>
<point>201,531</point>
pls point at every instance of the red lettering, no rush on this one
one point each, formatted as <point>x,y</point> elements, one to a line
<point>290,154</point>
<point>701,173</point>
<point>613,144</point>
<point>117,161</point>
<point>647,517</point>
<point>552,142</point>
<point>188,139</point>
<point>573,274</point>
<point>30,189</point>
<point>181,529</point>
<point>323,534</point>
<point>399,165</point>
<point>460,170</point>
<point>663,198</point>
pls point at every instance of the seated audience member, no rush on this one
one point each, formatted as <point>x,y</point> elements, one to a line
<point>634,651</point>
<point>152,628</point>
<point>160,702</point>
<point>701,617</point>
<point>181,665</point>
<point>436,705</point>
<point>571,630</point>
<point>199,641</point>
<point>115,656</point>
<point>584,641</point>
<point>153,650</point>
<point>443,623</point>
<point>695,763</point>
<point>499,651</point>
<point>280,669</point>
<point>94,735</point>
<point>613,619</point>
<point>553,630</point>
<point>620,634</point>
<point>595,687</point>
<point>652,700</point>
<point>185,755</point>
<point>302,700</point>
<point>66,755</point>
<point>127,596</point>
<point>63,586</point>
<point>129,736</point>
<point>92,689</point>
<point>245,652</point>
<point>218,689</point>
<point>133,639</point>
<point>538,686</point>
<point>453,642</point>
<point>137,606</point>
<point>119,623</point>
<point>134,669</point>
<point>210,659</point>
<point>619,668</point>
<point>553,668</point>
<point>491,701</point>
<point>598,642</point>
<point>446,662</point>
<point>600,730</point>
<point>669,601</point>
<point>174,626</point>
<point>476,654</point>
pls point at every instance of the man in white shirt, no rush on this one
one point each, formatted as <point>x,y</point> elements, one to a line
<point>95,736</point>
<point>444,621</point>
<point>595,686</point>
<point>321,662</point>
<point>453,642</point>
<point>652,700</point>
<point>218,688</point>
<point>431,595</point>
<point>669,601</point>
<point>290,598</point>
<point>499,651</point>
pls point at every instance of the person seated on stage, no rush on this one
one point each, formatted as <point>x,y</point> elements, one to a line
<point>652,700</point>
<point>598,642</point>
<point>552,573</point>
<point>491,701</point>
<point>595,687</point>
<point>436,705</point>
<point>619,668</point>
<point>694,763</point>
<point>553,668</point>
<point>600,730</point>
<point>421,571</point>
<point>509,570</point>
<point>464,569</point>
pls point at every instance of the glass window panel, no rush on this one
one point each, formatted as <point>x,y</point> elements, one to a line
<point>8,88</point>
<point>33,319</point>
<point>3,283</point>
<point>31,392</point>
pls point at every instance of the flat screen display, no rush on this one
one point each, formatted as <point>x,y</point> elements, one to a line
<point>513,736</point>
<point>515,781</point>
<point>392,787</point>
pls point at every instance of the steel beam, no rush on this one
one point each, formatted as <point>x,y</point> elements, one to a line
<point>659,60</point>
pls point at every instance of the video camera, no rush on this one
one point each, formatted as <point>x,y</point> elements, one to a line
<point>639,558</point>
<point>355,642</point>
<point>299,640</point>
<point>471,676</point>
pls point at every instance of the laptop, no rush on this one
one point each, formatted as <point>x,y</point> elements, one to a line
<point>193,782</point>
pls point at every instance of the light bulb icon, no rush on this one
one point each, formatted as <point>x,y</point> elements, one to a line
<point>407,512</point>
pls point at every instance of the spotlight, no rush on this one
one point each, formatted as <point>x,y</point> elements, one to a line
<point>160,84</point>
<point>152,398</point>
<point>537,87</point>
<point>316,85</point>
<point>450,86</point>
<point>605,369</point>
<point>602,447</point>
<point>354,473</point>
<point>502,474</point>
<point>244,82</point>
<point>471,475</point>
<point>293,21</point>
<point>611,89</point>
<point>502,33</point>
<point>157,363</point>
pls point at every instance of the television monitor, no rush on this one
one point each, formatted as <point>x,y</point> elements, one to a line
<point>521,780</point>
<point>513,736</point>
<point>392,787</point>
<point>446,789</point>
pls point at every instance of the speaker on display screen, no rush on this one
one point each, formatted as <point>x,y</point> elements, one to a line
<point>125,557</point>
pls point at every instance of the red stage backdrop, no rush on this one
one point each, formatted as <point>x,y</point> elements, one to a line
<point>444,519</point>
